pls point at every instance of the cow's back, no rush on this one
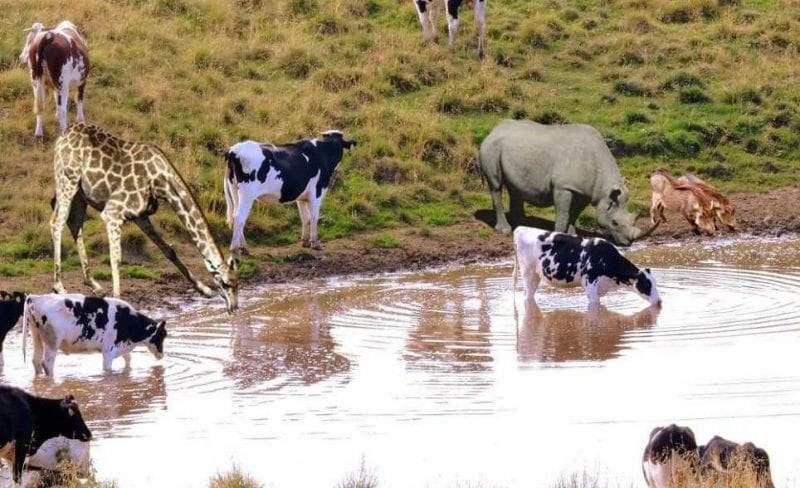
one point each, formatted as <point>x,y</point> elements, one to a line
<point>15,415</point>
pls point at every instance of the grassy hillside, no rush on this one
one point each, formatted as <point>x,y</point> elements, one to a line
<point>702,85</point>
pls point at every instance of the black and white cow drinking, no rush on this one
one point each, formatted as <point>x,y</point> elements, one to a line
<point>427,19</point>
<point>76,323</point>
<point>299,172</point>
<point>28,421</point>
<point>666,447</point>
<point>11,306</point>
<point>566,260</point>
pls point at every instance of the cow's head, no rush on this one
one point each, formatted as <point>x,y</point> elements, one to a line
<point>156,342</point>
<point>646,286</point>
<point>338,136</point>
<point>32,31</point>
<point>11,306</point>
<point>70,422</point>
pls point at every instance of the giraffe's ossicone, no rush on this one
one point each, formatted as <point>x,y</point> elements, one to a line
<point>126,180</point>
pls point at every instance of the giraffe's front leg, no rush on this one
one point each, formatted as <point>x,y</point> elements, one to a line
<point>65,192</point>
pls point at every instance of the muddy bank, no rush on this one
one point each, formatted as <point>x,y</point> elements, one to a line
<point>772,213</point>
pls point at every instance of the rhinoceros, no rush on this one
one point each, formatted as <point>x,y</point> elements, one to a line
<point>568,166</point>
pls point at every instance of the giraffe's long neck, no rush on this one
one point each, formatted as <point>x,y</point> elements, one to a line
<point>181,199</point>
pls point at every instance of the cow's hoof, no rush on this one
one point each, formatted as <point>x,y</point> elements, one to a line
<point>317,246</point>
<point>503,228</point>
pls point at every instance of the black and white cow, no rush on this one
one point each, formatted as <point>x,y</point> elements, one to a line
<point>567,260</point>
<point>28,421</point>
<point>299,172</point>
<point>11,306</point>
<point>77,323</point>
<point>667,446</point>
<point>721,456</point>
<point>426,12</point>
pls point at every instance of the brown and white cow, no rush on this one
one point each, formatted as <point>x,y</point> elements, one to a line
<point>58,59</point>
<point>427,19</point>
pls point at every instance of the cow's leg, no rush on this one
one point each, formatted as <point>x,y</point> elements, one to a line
<point>592,294</point>
<point>562,200</point>
<point>314,205</point>
<point>49,362</point>
<point>423,13</point>
<point>112,217</point>
<point>65,193</point>
<point>77,215</point>
<point>452,19</point>
<point>531,277</point>
<point>108,360</point>
<point>39,96</point>
<point>497,202</point>
<point>305,218</point>
<point>169,252</point>
<point>238,243</point>
<point>38,349</point>
<point>62,102</point>
<point>79,102</point>
<point>480,23</point>
<point>20,451</point>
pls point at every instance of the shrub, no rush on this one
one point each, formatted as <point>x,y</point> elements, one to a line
<point>630,88</point>
<point>636,118</point>
<point>693,95</point>
<point>550,118</point>
<point>744,96</point>
<point>682,80</point>
<point>298,63</point>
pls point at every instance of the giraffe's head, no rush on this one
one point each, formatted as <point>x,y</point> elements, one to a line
<point>227,280</point>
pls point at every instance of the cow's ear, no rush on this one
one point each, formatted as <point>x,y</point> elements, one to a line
<point>349,144</point>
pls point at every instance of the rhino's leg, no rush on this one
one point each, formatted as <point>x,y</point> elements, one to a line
<point>516,206</point>
<point>568,207</point>
<point>502,223</point>
<point>578,203</point>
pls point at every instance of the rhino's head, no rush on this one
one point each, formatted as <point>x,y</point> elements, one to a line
<point>614,217</point>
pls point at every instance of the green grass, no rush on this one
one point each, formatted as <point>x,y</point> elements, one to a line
<point>140,272</point>
<point>690,85</point>
<point>385,241</point>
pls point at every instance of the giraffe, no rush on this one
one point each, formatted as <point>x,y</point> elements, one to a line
<point>127,181</point>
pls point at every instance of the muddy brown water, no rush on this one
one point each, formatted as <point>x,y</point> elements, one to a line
<point>432,380</point>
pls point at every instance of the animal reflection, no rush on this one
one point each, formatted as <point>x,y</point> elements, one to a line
<point>570,335</point>
<point>450,334</point>
<point>295,344</point>
<point>109,399</point>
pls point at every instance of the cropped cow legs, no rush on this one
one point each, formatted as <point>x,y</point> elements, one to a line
<point>62,102</point>
<point>238,242</point>
<point>427,19</point>
<point>79,103</point>
<point>305,217</point>
<point>39,96</point>
<point>480,23</point>
<point>452,20</point>
<point>314,207</point>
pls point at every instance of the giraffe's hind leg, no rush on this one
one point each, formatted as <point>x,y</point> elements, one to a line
<point>168,251</point>
<point>77,215</point>
<point>112,216</point>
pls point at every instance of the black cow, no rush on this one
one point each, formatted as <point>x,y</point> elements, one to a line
<point>721,455</point>
<point>299,172</point>
<point>665,446</point>
<point>11,307</point>
<point>27,421</point>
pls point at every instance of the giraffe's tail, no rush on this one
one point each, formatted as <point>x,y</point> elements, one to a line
<point>231,194</point>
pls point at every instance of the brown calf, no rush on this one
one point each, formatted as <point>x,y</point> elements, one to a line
<point>58,59</point>
<point>724,210</point>
<point>688,200</point>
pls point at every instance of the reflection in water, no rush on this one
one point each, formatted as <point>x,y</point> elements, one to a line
<point>445,335</point>
<point>569,335</point>
<point>292,341</point>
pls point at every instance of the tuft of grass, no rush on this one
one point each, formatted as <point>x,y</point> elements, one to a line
<point>693,95</point>
<point>385,241</point>
<point>363,477</point>
<point>139,272</point>
<point>235,478</point>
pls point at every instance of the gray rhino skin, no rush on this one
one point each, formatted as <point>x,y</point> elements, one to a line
<point>568,166</point>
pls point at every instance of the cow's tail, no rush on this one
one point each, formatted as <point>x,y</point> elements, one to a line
<point>25,316</point>
<point>231,193</point>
